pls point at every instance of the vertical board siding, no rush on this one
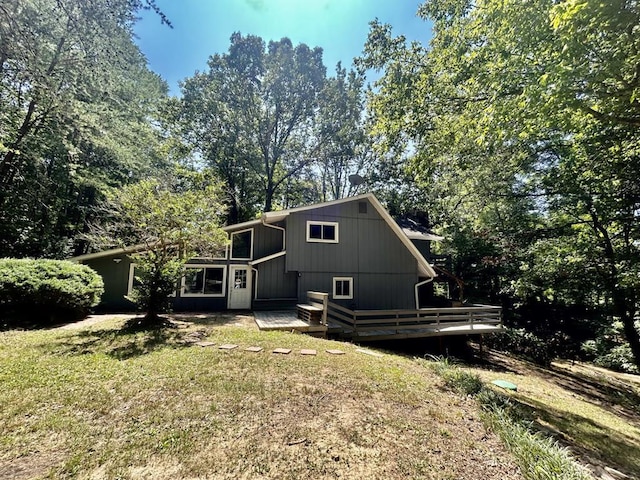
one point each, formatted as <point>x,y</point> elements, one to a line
<point>266,241</point>
<point>384,272</point>
<point>116,282</point>
<point>274,282</point>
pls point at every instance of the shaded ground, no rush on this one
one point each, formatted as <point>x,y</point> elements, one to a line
<point>593,411</point>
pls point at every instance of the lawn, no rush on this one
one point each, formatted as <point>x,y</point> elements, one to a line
<point>101,402</point>
<point>593,411</point>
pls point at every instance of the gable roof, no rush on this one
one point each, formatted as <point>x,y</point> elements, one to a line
<point>423,266</point>
<point>273,217</point>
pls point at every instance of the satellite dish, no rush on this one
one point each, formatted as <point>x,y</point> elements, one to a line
<point>356,180</point>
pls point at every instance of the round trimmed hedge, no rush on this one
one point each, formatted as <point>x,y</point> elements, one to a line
<point>47,290</point>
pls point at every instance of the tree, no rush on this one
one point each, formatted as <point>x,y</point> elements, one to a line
<point>76,99</point>
<point>341,123</point>
<point>253,117</point>
<point>168,221</point>
<point>532,108</point>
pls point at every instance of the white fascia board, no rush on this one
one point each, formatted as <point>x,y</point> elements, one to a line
<point>108,253</point>
<point>268,257</point>
<point>423,266</point>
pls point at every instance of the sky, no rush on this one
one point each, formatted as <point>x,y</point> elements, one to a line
<point>202,28</point>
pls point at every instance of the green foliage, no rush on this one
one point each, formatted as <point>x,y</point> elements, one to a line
<point>527,344</point>
<point>539,457</point>
<point>170,220</point>
<point>264,116</point>
<point>457,379</point>
<point>610,350</point>
<point>38,291</point>
<point>520,123</point>
<point>76,107</point>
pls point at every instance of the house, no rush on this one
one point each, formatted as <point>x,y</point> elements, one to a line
<point>350,248</point>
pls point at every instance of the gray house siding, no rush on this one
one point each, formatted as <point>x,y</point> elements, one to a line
<point>384,272</point>
<point>266,241</point>
<point>274,282</point>
<point>116,282</point>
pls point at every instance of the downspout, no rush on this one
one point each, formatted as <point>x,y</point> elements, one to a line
<point>255,282</point>
<point>263,220</point>
<point>282,229</point>
<point>418,285</point>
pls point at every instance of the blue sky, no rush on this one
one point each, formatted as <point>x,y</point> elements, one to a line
<point>203,27</point>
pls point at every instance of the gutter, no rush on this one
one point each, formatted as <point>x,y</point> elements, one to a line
<point>418,285</point>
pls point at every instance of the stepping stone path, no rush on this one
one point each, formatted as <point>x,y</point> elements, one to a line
<point>195,338</point>
<point>283,351</point>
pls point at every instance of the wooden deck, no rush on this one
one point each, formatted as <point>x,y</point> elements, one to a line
<point>286,320</point>
<point>370,325</point>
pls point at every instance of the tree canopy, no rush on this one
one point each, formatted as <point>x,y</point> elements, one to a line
<point>259,117</point>
<point>76,99</point>
<point>522,122</point>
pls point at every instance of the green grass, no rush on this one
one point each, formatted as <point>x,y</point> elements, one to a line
<point>593,411</point>
<point>539,457</point>
<point>106,403</point>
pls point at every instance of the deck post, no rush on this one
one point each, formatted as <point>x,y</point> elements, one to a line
<point>325,301</point>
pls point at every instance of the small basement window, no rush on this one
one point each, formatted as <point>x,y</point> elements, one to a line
<point>203,281</point>
<point>322,232</point>
<point>342,288</point>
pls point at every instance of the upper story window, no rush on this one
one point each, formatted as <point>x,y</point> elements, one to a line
<point>242,245</point>
<point>324,232</point>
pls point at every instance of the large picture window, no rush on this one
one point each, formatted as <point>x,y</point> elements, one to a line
<point>323,232</point>
<point>342,288</point>
<point>203,281</point>
<point>242,245</point>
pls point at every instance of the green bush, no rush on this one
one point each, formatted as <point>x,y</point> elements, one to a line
<point>43,291</point>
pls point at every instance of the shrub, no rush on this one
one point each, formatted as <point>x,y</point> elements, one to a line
<point>43,291</point>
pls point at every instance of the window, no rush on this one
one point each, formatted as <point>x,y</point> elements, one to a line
<point>203,281</point>
<point>323,232</point>
<point>242,245</point>
<point>135,282</point>
<point>342,288</point>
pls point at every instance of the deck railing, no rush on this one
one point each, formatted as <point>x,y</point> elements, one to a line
<point>361,321</point>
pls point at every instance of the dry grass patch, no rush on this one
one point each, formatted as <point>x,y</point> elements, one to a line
<point>104,403</point>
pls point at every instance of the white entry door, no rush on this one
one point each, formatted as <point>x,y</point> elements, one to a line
<point>239,287</point>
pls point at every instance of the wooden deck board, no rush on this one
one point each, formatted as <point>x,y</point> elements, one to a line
<point>284,320</point>
<point>401,333</point>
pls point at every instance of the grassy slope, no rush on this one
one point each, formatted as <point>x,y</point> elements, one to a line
<point>592,410</point>
<point>101,403</point>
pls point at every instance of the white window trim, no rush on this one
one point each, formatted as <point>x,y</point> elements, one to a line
<point>231,245</point>
<point>342,279</point>
<point>321,240</point>
<point>132,268</point>
<point>205,295</point>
